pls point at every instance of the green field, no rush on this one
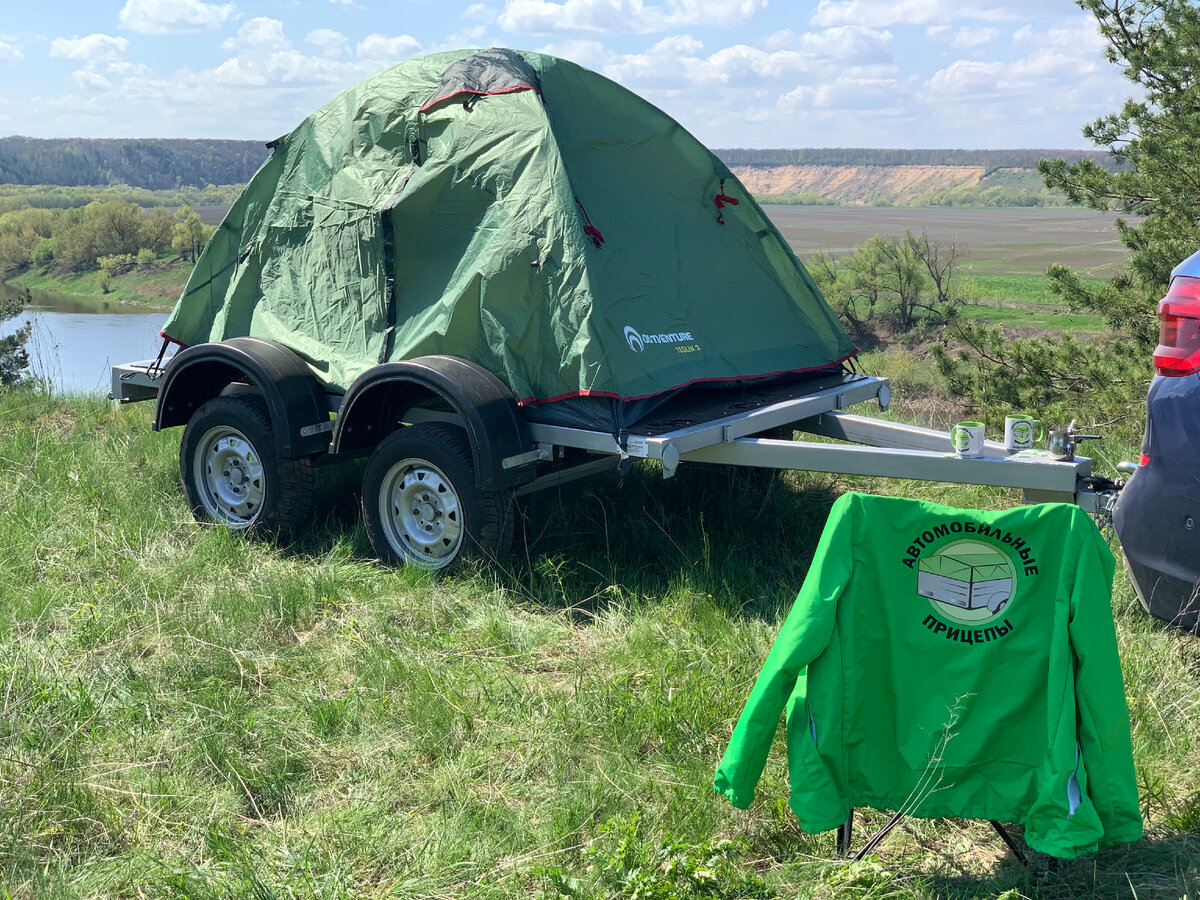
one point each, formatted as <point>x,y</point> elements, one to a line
<point>187,714</point>
<point>1004,252</point>
<point>993,241</point>
<point>1026,302</point>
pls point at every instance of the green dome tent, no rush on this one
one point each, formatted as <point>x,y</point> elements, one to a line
<point>520,212</point>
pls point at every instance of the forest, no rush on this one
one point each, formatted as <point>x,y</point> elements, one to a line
<point>155,164</point>
<point>111,235</point>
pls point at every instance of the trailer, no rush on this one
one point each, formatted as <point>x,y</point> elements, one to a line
<point>449,447</point>
<point>492,272</point>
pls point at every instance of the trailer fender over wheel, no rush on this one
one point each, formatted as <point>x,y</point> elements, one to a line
<point>421,504</point>
<point>231,473</point>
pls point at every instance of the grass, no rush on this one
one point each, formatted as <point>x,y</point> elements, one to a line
<point>184,713</point>
<point>1026,301</point>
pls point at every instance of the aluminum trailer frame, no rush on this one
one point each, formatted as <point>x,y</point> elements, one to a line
<point>876,447</point>
<point>884,449</point>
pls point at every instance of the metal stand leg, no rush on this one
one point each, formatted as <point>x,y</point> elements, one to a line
<point>878,836</point>
<point>1007,838</point>
<point>844,832</point>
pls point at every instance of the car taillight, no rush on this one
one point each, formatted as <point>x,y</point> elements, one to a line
<point>1178,350</point>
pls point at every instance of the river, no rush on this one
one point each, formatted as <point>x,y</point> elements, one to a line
<point>75,340</point>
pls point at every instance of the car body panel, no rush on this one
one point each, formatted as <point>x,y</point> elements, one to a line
<point>1158,514</point>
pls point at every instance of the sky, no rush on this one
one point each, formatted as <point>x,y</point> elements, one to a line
<point>736,73</point>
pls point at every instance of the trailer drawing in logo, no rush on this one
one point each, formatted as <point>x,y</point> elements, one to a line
<point>969,581</point>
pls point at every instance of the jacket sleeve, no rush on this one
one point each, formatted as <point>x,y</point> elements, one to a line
<point>805,633</point>
<point>1103,727</point>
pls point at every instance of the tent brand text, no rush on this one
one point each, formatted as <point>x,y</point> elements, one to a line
<point>638,341</point>
<point>925,538</point>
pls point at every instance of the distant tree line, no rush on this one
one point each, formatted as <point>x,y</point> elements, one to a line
<point>54,196</point>
<point>111,235</point>
<point>865,156</point>
<point>156,164</point>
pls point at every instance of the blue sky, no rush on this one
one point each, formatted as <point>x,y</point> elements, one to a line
<point>748,73</point>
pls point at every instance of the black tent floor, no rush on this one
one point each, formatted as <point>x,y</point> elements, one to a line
<point>685,408</point>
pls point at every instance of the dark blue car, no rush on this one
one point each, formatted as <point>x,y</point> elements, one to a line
<point>1158,514</point>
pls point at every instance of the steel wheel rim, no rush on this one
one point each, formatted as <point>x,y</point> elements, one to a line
<point>421,514</point>
<point>229,476</point>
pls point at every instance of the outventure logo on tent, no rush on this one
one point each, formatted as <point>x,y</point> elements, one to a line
<point>637,341</point>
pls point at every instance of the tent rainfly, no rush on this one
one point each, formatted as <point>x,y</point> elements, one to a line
<point>520,212</point>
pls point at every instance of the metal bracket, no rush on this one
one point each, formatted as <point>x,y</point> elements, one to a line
<point>310,430</point>
<point>539,453</point>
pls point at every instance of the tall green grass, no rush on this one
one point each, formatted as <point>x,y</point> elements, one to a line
<point>184,713</point>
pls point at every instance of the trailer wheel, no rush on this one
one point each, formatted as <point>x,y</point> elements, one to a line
<point>230,472</point>
<point>420,503</point>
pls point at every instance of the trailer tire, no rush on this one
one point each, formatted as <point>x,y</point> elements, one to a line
<point>421,506</point>
<point>231,474</point>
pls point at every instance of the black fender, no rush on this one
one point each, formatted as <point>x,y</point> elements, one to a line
<point>373,407</point>
<point>295,399</point>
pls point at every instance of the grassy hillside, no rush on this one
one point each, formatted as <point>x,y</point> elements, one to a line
<point>188,714</point>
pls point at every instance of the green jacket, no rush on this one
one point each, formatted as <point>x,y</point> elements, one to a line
<point>949,662</point>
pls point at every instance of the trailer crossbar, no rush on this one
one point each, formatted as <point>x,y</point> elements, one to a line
<point>1051,479</point>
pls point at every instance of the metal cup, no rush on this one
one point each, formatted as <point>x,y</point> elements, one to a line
<point>1059,443</point>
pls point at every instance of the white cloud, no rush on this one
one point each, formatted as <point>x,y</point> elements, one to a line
<point>964,38</point>
<point>264,58</point>
<point>848,42</point>
<point>967,37</point>
<point>882,13</point>
<point>1062,78</point>
<point>622,16</point>
<point>878,95</point>
<point>331,43</point>
<point>92,48</point>
<point>90,79</point>
<point>671,61</point>
<point>1059,60</point>
<point>587,53</point>
<point>480,14</point>
<point>173,16</point>
<point>259,33</point>
<point>680,59</point>
<point>968,77</point>
<point>9,53</point>
<point>389,50</point>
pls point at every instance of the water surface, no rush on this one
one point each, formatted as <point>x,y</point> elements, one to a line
<point>76,340</point>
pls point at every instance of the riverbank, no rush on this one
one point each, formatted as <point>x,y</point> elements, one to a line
<point>154,287</point>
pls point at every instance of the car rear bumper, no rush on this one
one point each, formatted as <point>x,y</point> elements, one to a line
<point>1157,516</point>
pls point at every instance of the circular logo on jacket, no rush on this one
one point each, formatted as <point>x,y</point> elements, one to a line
<point>634,340</point>
<point>969,582</point>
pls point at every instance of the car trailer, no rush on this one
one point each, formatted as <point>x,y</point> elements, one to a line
<point>447,423</point>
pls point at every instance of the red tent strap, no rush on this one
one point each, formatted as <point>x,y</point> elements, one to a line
<point>589,229</point>
<point>722,198</point>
